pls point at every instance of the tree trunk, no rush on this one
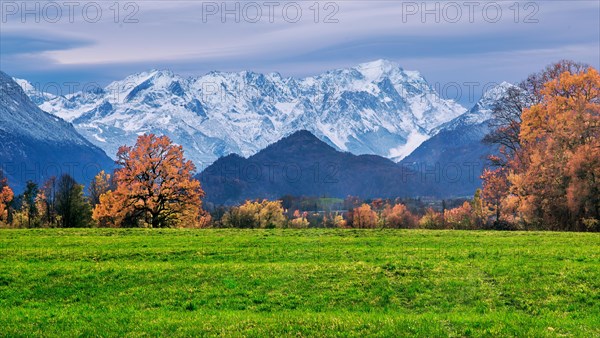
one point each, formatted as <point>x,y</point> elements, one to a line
<point>155,220</point>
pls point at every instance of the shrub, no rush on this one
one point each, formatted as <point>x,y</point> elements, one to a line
<point>460,218</point>
<point>299,223</point>
<point>398,216</point>
<point>432,220</point>
<point>254,214</point>
<point>364,217</point>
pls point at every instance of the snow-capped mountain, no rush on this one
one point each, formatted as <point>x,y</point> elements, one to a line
<point>373,108</point>
<point>35,145</point>
<point>481,112</point>
<point>455,155</point>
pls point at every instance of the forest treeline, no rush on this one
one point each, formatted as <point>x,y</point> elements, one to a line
<point>546,175</point>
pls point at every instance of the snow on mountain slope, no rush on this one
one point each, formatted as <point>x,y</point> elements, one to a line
<point>456,149</point>
<point>481,112</point>
<point>373,108</point>
<point>35,145</point>
<point>19,116</point>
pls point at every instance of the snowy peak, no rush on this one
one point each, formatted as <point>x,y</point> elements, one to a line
<point>495,95</point>
<point>459,142</point>
<point>498,91</point>
<point>373,108</point>
<point>376,70</point>
<point>134,85</point>
<point>36,94</point>
<point>481,112</point>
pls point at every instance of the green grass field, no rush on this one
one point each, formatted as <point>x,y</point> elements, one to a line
<point>56,282</point>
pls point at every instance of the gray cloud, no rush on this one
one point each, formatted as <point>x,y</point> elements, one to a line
<point>174,35</point>
<point>36,42</point>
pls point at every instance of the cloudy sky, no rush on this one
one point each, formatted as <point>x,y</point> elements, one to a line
<point>469,43</point>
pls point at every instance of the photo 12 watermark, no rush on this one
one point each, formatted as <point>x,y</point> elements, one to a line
<point>469,11</point>
<point>270,12</point>
<point>91,12</point>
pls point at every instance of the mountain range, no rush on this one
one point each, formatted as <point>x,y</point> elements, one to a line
<point>35,145</point>
<point>374,108</point>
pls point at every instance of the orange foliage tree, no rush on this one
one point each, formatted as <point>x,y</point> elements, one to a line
<point>398,216</point>
<point>6,196</point>
<point>432,220</point>
<point>299,220</point>
<point>495,189</point>
<point>560,182</point>
<point>461,217</point>
<point>364,217</point>
<point>550,178</point>
<point>99,185</point>
<point>154,187</point>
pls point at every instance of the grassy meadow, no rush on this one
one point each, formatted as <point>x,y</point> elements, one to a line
<point>300,283</point>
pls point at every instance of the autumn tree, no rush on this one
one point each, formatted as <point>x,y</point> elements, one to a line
<point>398,216</point>
<point>242,217</point>
<point>583,191</point>
<point>536,82</point>
<point>271,215</point>
<point>561,140</point>
<point>101,184</point>
<point>506,125</point>
<point>364,217</point>
<point>431,220</point>
<point>299,220</point>
<point>6,196</point>
<point>47,201</point>
<point>544,171</point>
<point>495,189</point>
<point>108,213</point>
<point>154,187</point>
<point>338,221</point>
<point>507,113</point>
<point>479,212</point>
<point>460,217</point>
<point>333,220</point>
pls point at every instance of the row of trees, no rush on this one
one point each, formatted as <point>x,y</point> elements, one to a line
<point>59,202</point>
<point>377,214</point>
<point>547,172</point>
<point>470,215</point>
